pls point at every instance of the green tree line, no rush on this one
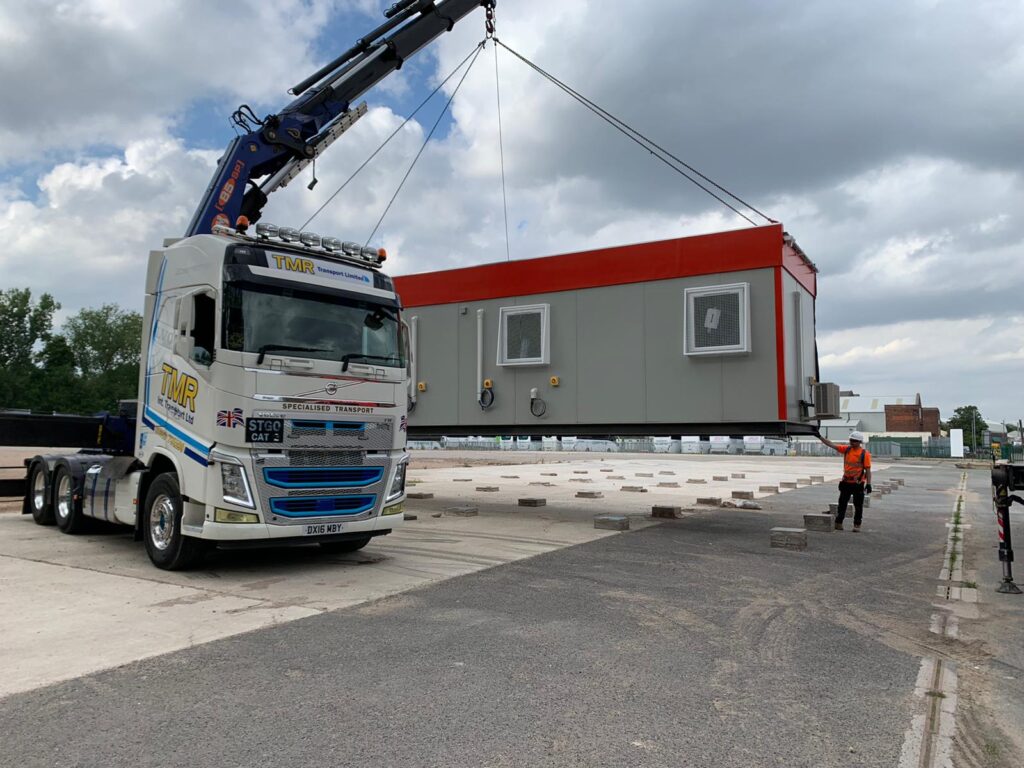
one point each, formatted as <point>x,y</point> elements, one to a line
<point>86,366</point>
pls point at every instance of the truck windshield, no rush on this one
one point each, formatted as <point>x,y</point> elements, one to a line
<point>304,324</point>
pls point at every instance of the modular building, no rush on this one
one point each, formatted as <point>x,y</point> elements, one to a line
<point>710,334</point>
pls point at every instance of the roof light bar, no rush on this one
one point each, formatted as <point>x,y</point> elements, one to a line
<point>313,241</point>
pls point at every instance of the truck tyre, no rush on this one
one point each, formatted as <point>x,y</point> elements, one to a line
<point>161,527</point>
<point>39,497</point>
<point>67,502</point>
<point>341,547</point>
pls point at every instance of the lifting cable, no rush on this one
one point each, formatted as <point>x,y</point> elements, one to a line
<point>394,133</point>
<point>475,54</point>
<point>489,27</point>
<point>654,149</point>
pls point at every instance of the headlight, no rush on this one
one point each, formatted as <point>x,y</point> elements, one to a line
<point>398,483</point>
<point>235,485</point>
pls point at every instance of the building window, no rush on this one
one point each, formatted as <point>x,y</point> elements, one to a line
<point>523,335</point>
<point>717,320</point>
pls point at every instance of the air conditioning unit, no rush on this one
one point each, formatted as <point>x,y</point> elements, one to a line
<point>717,320</point>
<point>826,401</point>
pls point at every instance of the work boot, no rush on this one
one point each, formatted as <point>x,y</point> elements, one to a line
<point>839,526</point>
<point>856,528</point>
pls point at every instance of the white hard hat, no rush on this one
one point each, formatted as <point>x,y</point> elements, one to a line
<point>858,436</point>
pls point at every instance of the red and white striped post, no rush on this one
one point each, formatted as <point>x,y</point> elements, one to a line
<point>1001,477</point>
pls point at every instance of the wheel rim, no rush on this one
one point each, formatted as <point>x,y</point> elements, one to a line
<point>161,522</point>
<point>39,491</point>
<point>64,496</point>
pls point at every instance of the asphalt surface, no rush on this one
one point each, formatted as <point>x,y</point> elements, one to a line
<point>690,643</point>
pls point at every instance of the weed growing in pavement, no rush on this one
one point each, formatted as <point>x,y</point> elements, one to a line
<point>971,584</point>
<point>952,560</point>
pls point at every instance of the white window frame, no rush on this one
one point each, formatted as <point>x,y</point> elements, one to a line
<point>545,334</point>
<point>690,325</point>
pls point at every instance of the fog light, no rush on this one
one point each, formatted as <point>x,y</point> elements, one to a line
<point>230,516</point>
<point>394,509</point>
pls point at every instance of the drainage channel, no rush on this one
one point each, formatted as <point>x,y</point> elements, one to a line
<point>928,742</point>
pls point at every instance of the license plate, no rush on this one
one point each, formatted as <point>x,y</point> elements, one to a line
<point>259,430</point>
<point>323,529</point>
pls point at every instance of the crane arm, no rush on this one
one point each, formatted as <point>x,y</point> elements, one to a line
<point>270,152</point>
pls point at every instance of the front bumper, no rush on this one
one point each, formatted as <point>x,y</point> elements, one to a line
<point>255,533</point>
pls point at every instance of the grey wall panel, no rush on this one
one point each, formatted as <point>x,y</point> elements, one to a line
<point>560,400</point>
<point>611,354</point>
<point>437,364</point>
<point>750,382</point>
<point>799,332</point>
<point>503,409</point>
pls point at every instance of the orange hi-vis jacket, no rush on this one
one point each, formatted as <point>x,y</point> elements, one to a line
<point>855,462</point>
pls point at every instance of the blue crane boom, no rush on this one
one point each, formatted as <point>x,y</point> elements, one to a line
<point>270,152</point>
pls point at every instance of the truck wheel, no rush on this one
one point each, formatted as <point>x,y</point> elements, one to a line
<point>341,547</point>
<point>39,500</point>
<point>67,502</point>
<point>161,523</point>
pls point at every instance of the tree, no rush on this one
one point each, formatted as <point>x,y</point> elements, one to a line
<point>968,418</point>
<point>105,343</point>
<point>25,324</point>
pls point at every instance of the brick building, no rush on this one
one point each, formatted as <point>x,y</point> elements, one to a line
<point>912,418</point>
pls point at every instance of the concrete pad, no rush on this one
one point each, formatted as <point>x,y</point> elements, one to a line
<point>819,521</point>
<point>510,477</point>
<point>789,538</point>
<point>533,502</point>
<point>633,489</point>
<point>581,471</point>
<point>738,475</point>
<point>768,489</point>
<point>666,512</point>
<point>616,477</point>
<point>720,478</point>
<point>817,478</point>
<point>419,495</point>
<point>549,474</point>
<point>666,472</point>
<point>787,484</point>
<point>409,516</point>
<point>607,470</point>
<point>803,481</point>
<point>644,474</point>
<point>743,494</point>
<point>611,522</point>
<point>488,488</point>
<point>696,481</point>
<point>462,511</point>
<point>462,479</point>
<point>589,495</point>
<point>668,485</point>
<point>709,501</point>
<point>545,483</point>
<point>833,509</point>
<point>580,480</point>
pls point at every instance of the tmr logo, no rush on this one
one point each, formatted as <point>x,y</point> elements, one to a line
<point>179,388</point>
<point>293,264</point>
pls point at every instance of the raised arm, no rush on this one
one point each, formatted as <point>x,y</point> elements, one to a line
<point>825,440</point>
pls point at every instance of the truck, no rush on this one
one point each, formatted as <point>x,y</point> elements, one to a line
<point>274,372</point>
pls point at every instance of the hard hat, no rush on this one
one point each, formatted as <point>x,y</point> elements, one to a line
<point>858,436</point>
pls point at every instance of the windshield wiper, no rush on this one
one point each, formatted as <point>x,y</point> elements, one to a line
<point>282,347</point>
<point>360,356</point>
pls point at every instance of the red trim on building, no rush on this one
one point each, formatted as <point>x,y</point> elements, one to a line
<point>753,248</point>
<point>801,270</point>
<point>780,346</point>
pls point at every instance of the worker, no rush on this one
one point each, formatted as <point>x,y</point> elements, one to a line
<point>856,477</point>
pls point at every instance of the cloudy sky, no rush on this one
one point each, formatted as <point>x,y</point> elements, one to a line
<point>887,136</point>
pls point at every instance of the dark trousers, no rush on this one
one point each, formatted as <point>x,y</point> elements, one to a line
<point>846,490</point>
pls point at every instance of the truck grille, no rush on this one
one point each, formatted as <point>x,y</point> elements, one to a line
<point>322,477</point>
<point>322,506</point>
<point>371,434</point>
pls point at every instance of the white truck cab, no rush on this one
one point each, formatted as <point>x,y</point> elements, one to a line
<point>273,398</point>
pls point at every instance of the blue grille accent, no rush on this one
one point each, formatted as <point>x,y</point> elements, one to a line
<point>323,426</point>
<point>322,477</point>
<point>322,506</point>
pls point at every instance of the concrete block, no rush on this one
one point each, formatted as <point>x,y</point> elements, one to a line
<point>899,480</point>
<point>487,488</point>
<point>710,501</point>
<point>720,478</point>
<point>743,494</point>
<point>666,472</point>
<point>803,481</point>
<point>819,521</point>
<point>644,474</point>
<point>462,480</point>
<point>616,477</point>
<point>666,512</point>
<point>435,514</point>
<point>787,484</point>
<point>549,474</point>
<point>867,502</point>
<point>410,481</point>
<point>739,475</point>
<point>580,480</point>
<point>817,478</point>
<point>768,488</point>
<point>884,491</point>
<point>833,509</point>
<point>633,489</point>
<point>464,510</point>
<point>612,522</point>
<point>606,470</point>
<point>409,516</point>
<point>510,477</point>
<point>533,502</point>
<point>589,495</point>
<point>697,480</point>
<point>545,483</point>
<point>581,471</point>
<point>419,495</point>
<point>789,538</point>
<point>668,485</point>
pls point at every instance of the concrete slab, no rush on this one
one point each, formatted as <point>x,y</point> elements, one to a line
<point>633,489</point>
<point>463,510</point>
<point>823,522</point>
<point>672,513</point>
<point>418,495</point>
<point>696,481</point>
<point>768,488</point>
<point>720,478</point>
<point>611,522</point>
<point>488,488</point>
<point>709,501</point>
<point>589,495</point>
<point>743,494</point>
<point>789,538</point>
<point>533,502</point>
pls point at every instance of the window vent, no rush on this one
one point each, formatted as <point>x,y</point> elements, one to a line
<point>523,335</point>
<point>717,320</point>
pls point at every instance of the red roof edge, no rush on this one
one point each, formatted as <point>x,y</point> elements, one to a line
<point>734,251</point>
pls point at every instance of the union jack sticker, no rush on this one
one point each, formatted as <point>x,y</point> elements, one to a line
<point>232,418</point>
